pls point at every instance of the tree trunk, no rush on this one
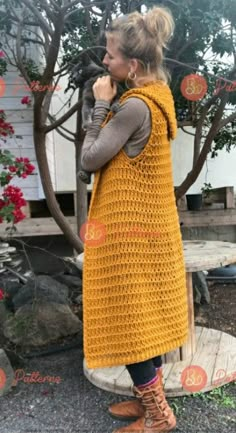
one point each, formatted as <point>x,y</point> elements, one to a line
<point>40,150</point>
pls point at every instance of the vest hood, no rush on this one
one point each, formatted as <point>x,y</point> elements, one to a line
<point>161,95</point>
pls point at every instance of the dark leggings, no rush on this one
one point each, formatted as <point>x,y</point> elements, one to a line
<point>143,372</point>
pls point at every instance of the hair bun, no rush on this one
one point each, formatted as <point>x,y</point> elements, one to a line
<point>159,23</point>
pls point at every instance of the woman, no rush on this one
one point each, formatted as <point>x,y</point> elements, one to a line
<point>134,290</point>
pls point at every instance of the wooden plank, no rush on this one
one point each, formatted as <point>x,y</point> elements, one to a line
<point>205,356</point>
<point>37,227</point>
<point>19,141</point>
<point>19,152</point>
<point>31,193</point>
<point>225,365</point>
<point>223,195</point>
<point>15,89</point>
<point>203,255</point>
<point>208,218</point>
<point>182,203</point>
<point>23,129</point>
<point>19,116</point>
<point>27,209</point>
<point>11,104</point>
<point>230,201</point>
<point>123,382</point>
<point>188,349</point>
<point>172,356</point>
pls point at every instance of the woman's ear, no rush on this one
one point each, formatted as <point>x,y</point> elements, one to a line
<point>133,64</point>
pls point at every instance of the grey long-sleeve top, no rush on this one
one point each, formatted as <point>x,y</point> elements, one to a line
<point>129,128</point>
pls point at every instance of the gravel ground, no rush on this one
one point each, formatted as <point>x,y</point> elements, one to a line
<point>75,405</point>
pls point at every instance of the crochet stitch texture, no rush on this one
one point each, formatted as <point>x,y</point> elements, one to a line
<point>134,284</point>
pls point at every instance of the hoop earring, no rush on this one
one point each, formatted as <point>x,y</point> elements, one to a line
<point>132,75</point>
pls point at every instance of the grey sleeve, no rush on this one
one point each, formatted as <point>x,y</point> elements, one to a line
<point>102,144</point>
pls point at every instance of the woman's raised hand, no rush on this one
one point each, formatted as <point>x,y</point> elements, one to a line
<point>104,88</point>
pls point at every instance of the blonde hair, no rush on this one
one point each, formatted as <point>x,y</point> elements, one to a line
<point>143,37</point>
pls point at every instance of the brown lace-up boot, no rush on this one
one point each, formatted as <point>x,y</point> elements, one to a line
<point>132,409</point>
<point>158,416</point>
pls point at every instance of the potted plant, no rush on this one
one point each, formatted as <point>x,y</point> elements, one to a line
<point>206,192</point>
<point>194,201</point>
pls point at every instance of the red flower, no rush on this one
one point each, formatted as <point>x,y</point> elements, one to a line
<point>18,215</point>
<point>1,294</point>
<point>26,100</point>
<point>12,168</point>
<point>29,168</point>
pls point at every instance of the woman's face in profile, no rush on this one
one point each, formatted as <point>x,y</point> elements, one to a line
<point>117,65</point>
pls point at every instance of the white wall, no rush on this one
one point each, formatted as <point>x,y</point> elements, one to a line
<point>219,171</point>
<point>21,144</point>
<point>64,150</point>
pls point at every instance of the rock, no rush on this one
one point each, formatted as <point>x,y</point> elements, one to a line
<point>200,288</point>
<point>4,313</point>
<point>41,323</point>
<point>10,284</point>
<point>71,281</point>
<point>79,301</point>
<point>79,261</point>
<point>42,288</point>
<point>6,373</point>
<point>71,267</point>
<point>74,284</point>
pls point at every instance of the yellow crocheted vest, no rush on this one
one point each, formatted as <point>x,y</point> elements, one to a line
<point>134,288</point>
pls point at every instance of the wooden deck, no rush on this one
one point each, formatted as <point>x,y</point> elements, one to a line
<point>215,355</point>
<point>47,226</point>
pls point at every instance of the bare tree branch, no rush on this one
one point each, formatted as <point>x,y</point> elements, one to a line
<point>68,131</point>
<point>228,119</point>
<point>51,58</point>
<point>200,123</point>
<point>182,123</point>
<point>47,102</point>
<point>189,66</point>
<point>70,5</point>
<point>105,17</point>
<point>65,68</point>
<point>61,133</point>
<point>39,16</point>
<point>72,140</point>
<point>57,8</point>
<point>52,119</point>
<point>63,118</point>
<point>20,64</point>
<point>88,24</point>
<point>39,41</point>
<point>16,19</point>
<point>187,132</point>
<point>48,10</point>
<point>214,129</point>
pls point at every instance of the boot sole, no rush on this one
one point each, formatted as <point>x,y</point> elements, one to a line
<point>123,418</point>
